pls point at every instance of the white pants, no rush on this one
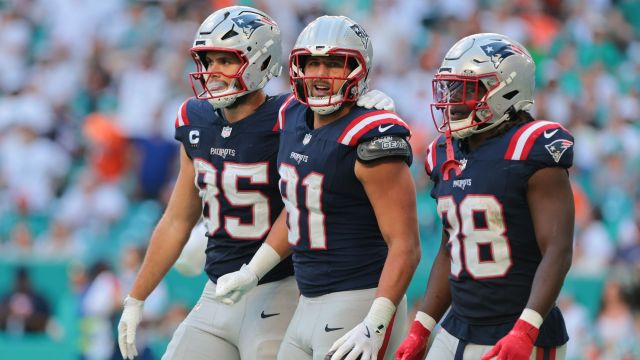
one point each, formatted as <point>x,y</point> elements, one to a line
<point>445,345</point>
<point>319,321</point>
<point>251,329</point>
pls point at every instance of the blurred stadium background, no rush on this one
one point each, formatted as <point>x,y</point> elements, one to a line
<point>88,96</point>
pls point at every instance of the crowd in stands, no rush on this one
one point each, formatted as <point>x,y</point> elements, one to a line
<point>88,97</point>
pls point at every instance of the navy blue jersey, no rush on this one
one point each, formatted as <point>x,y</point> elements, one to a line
<point>237,179</point>
<point>333,231</point>
<point>484,211</point>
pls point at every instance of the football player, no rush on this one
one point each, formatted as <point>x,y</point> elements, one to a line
<point>350,202</point>
<point>503,194</point>
<point>229,176</point>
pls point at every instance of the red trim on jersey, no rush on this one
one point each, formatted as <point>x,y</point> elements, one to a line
<point>181,118</point>
<point>387,337</point>
<point>431,156</point>
<point>539,353</point>
<point>280,121</point>
<point>529,138</point>
<point>392,118</point>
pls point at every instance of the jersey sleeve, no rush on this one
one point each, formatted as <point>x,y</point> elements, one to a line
<point>286,100</point>
<point>184,124</point>
<point>543,144</point>
<point>372,125</point>
<point>431,158</point>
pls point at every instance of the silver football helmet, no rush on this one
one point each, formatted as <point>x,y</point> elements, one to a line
<point>247,33</point>
<point>331,36</point>
<point>483,79</point>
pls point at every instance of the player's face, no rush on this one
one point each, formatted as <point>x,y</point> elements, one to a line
<point>462,95</point>
<point>222,65</point>
<point>326,74</point>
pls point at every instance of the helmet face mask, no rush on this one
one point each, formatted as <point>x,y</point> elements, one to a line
<point>247,34</point>
<point>338,37</point>
<point>491,74</point>
<point>460,102</point>
<point>203,81</point>
<point>340,88</point>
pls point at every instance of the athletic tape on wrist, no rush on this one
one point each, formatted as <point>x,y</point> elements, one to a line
<point>532,317</point>
<point>427,321</point>
<point>265,259</point>
<point>380,313</point>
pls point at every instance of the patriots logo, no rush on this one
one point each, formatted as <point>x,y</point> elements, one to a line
<point>558,147</point>
<point>361,34</point>
<point>499,51</point>
<point>249,22</point>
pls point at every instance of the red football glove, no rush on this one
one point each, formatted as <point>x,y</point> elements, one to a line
<point>517,344</point>
<point>414,346</point>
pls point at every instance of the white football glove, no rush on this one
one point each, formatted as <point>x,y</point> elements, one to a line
<point>376,99</point>
<point>367,337</point>
<point>128,325</point>
<point>361,340</point>
<point>232,286</point>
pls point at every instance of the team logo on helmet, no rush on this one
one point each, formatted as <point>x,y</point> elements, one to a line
<point>361,34</point>
<point>499,51</point>
<point>558,147</point>
<point>249,22</point>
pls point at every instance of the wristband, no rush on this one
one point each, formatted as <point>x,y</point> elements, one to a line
<point>381,312</point>
<point>129,300</point>
<point>532,317</point>
<point>427,321</point>
<point>265,259</point>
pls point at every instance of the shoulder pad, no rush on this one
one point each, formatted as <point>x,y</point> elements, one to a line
<point>545,142</point>
<point>373,125</point>
<point>282,112</point>
<point>431,158</point>
<point>182,118</point>
<point>387,146</point>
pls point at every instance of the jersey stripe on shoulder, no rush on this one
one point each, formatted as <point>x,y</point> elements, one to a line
<point>280,123</point>
<point>430,160</point>
<point>360,125</point>
<point>181,118</point>
<point>525,137</point>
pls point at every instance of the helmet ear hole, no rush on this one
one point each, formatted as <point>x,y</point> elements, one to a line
<point>511,94</point>
<point>265,63</point>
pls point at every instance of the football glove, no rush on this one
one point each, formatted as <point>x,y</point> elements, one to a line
<point>376,99</point>
<point>365,340</point>
<point>131,316</point>
<point>232,286</point>
<point>414,346</point>
<point>518,343</point>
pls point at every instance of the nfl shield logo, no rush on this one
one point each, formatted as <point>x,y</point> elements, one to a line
<point>226,131</point>
<point>306,139</point>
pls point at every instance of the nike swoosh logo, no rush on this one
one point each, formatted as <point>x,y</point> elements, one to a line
<point>328,329</point>
<point>384,128</point>
<point>550,134</point>
<point>367,334</point>
<point>264,316</point>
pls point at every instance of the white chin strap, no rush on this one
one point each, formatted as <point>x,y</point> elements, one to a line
<point>318,104</point>
<point>223,102</point>
<point>471,130</point>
